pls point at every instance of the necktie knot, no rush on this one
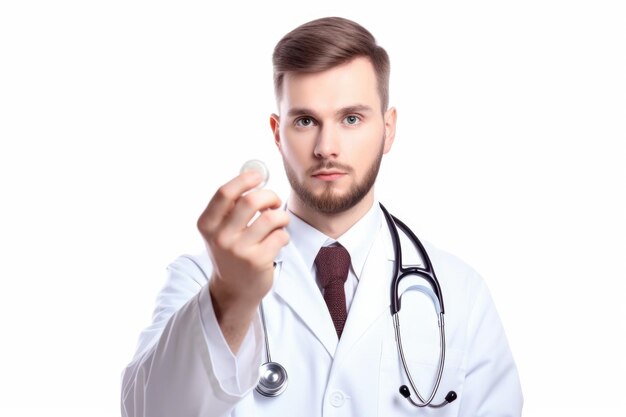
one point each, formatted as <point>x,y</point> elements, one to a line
<point>333,264</point>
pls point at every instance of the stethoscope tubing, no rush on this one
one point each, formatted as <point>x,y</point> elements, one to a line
<point>442,360</point>
<point>268,357</point>
<point>428,273</point>
<point>274,378</point>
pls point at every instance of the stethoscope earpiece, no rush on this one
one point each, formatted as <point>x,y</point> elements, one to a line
<point>451,396</point>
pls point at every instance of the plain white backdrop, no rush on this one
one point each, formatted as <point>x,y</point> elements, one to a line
<point>119,119</point>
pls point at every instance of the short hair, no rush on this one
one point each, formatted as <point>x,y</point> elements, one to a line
<point>325,43</point>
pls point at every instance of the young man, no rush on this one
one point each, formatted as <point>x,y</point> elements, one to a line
<point>321,268</point>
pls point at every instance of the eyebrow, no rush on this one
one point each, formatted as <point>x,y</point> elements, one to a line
<point>357,108</point>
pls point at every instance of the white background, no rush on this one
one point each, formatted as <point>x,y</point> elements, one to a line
<point>118,120</point>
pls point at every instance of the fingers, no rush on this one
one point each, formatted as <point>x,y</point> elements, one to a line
<point>262,227</point>
<point>242,251</point>
<point>225,222</point>
<point>224,200</point>
<point>274,241</point>
<point>264,252</point>
<point>246,208</point>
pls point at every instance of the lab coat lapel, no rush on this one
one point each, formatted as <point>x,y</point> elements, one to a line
<point>295,286</point>
<point>372,295</point>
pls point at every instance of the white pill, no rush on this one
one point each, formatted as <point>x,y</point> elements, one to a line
<point>258,166</point>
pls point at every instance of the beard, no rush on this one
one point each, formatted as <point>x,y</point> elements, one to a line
<point>329,202</point>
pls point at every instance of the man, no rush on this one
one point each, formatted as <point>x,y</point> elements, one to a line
<point>201,356</point>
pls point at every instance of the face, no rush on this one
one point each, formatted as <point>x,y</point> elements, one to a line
<point>332,134</point>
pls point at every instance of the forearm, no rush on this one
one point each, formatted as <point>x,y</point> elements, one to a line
<point>233,315</point>
<point>189,369</point>
<point>175,376</point>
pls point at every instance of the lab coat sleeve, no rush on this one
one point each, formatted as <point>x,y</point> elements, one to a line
<point>492,387</point>
<point>183,366</point>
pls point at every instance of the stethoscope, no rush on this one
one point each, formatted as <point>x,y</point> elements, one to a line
<point>273,376</point>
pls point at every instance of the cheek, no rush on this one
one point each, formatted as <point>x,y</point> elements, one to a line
<point>292,156</point>
<point>368,149</point>
<point>297,147</point>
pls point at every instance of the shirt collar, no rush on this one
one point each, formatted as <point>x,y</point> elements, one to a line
<point>357,240</point>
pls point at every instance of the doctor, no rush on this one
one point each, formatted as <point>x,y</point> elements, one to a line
<point>202,353</point>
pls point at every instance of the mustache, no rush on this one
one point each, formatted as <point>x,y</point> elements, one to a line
<point>326,165</point>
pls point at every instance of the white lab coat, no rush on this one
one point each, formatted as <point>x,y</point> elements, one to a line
<point>172,373</point>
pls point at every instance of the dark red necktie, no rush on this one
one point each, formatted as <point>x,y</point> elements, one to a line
<point>333,264</point>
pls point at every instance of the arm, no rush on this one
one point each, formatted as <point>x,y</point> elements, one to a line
<point>186,362</point>
<point>242,252</point>
<point>183,365</point>
<point>492,387</point>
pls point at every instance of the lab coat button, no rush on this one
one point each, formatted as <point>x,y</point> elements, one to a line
<point>337,399</point>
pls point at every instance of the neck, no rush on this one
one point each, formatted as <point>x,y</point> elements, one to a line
<point>332,225</point>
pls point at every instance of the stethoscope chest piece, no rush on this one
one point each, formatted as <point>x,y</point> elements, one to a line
<point>273,379</point>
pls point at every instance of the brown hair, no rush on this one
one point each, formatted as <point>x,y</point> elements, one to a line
<point>325,43</point>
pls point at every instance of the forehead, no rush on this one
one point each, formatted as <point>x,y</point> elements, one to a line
<point>341,86</point>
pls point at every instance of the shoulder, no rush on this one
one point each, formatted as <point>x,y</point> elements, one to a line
<point>448,263</point>
<point>195,267</point>
<point>461,284</point>
<point>186,275</point>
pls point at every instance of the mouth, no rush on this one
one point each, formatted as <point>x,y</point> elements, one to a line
<point>328,175</point>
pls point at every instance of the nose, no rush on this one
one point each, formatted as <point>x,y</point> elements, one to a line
<point>327,143</point>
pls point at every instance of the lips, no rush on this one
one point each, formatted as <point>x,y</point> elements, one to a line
<point>328,175</point>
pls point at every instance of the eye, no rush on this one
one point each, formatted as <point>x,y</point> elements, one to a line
<point>304,122</point>
<point>352,119</point>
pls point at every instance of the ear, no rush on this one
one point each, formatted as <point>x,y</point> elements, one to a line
<point>275,126</point>
<point>390,128</point>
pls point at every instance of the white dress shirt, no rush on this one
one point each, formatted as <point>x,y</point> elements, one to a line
<point>357,240</point>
